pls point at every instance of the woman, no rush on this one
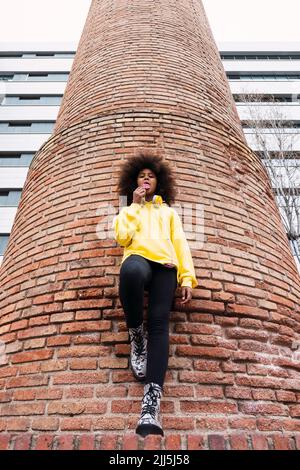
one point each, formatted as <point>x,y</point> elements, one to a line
<point>156,258</point>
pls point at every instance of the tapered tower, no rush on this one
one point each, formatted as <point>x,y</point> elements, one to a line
<point>148,75</point>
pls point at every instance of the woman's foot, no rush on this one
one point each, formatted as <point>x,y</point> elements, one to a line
<point>148,423</point>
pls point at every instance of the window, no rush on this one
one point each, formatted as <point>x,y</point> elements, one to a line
<point>58,76</point>
<point>56,54</point>
<point>29,97</point>
<point>12,55</point>
<point>265,76</point>
<point>15,159</point>
<point>19,124</point>
<point>38,74</point>
<point>20,127</point>
<point>291,155</point>
<point>33,76</point>
<point>289,191</point>
<point>3,242</point>
<point>36,100</point>
<point>45,54</point>
<point>6,76</point>
<point>258,56</point>
<point>54,77</point>
<point>20,77</point>
<point>264,98</point>
<point>269,124</point>
<point>65,54</point>
<point>10,197</point>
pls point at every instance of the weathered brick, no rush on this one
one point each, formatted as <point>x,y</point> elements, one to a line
<point>25,395</point>
<point>285,396</point>
<point>65,442</point>
<point>32,356</point>
<point>178,423</point>
<point>86,326</point>
<point>216,442</point>
<point>45,423</point>
<point>86,442</point>
<point>76,424</point>
<point>16,424</point>
<point>152,442</point>
<point>130,442</point>
<point>195,442</point>
<point>43,442</point>
<point>208,407</point>
<point>204,391</point>
<point>81,378</point>
<point>66,374</point>
<point>109,423</point>
<point>83,364</point>
<point>297,441</point>
<point>23,442</point>
<point>21,409</point>
<point>259,408</point>
<point>4,441</point>
<point>238,442</point>
<point>173,442</point>
<point>259,442</point>
<point>108,442</point>
<point>281,443</point>
<point>213,424</point>
<point>242,423</point>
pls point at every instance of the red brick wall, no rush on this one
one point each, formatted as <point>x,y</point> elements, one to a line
<point>148,76</point>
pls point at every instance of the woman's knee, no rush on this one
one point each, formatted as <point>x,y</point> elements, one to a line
<point>135,270</point>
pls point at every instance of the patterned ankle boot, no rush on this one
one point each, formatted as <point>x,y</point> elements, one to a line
<point>138,354</point>
<point>148,423</point>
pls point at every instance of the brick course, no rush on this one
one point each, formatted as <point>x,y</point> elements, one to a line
<point>148,77</point>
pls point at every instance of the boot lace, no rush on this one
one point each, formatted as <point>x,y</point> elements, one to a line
<point>138,344</point>
<point>150,402</point>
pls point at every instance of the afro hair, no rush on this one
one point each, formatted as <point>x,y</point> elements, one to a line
<point>130,169</point>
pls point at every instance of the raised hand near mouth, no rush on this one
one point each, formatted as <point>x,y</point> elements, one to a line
<point>138,194</point>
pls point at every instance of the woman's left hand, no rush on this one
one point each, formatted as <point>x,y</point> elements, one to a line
<point>186,294</point>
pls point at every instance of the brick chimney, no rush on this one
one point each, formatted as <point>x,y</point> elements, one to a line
<point>148,76</point>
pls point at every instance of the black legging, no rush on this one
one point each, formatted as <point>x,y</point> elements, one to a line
<point>136,275</point>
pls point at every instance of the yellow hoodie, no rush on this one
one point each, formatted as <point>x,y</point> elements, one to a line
<point>156,233</point>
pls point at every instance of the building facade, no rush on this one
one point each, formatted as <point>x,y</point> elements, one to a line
<point>33,79</point>
<point>233,374</point>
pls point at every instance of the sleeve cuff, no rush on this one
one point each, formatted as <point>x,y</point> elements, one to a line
<point>186,283</point>
<point>189,283</point>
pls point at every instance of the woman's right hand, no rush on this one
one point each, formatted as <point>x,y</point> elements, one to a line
<point>138,194</point>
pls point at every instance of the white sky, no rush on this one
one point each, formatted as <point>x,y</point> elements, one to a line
<point>230,20</point>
